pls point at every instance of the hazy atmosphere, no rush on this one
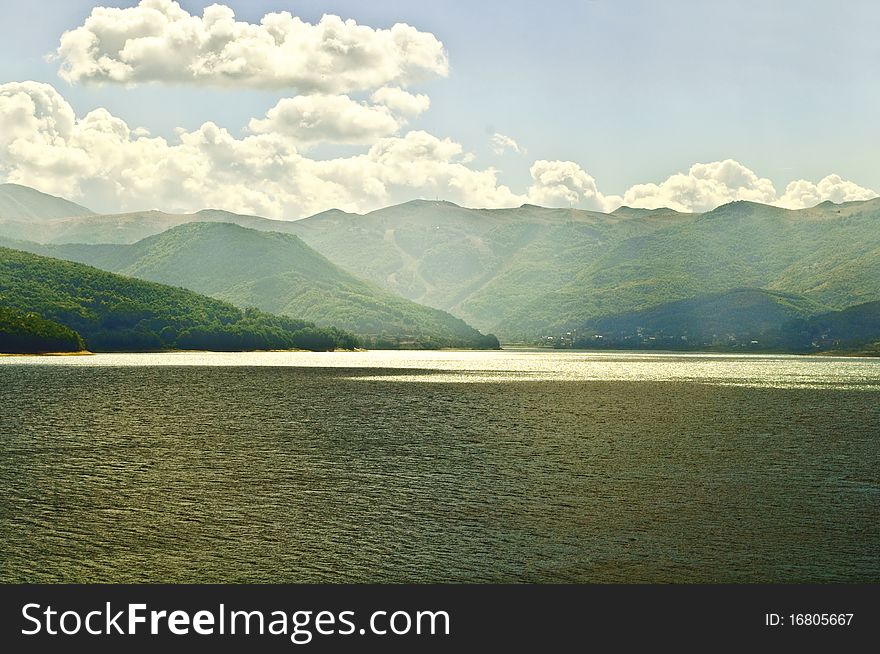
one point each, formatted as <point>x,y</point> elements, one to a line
<point>409,292</point>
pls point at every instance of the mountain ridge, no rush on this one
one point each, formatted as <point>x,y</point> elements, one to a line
<point>524,271</point>
<point>19,202</point>
<point>274,272</point>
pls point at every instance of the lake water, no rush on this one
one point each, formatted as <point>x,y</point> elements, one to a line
<point>510,466</point>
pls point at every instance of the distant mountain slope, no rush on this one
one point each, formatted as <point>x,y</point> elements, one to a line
<point>125,227</point>
<point>112,312</point>
<point>526,271</point>
<point>830,254</point>
<point>24,203</point>
<point>479,264</point>
<point>273,272</point>
<point>738,316</point>
<point>531,271</point>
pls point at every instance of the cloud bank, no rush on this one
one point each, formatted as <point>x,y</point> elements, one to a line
<point>102,161</point>
<point>801,193</point>
<point>158,41</point>
<point>702,188</point>
<point>708,185</point>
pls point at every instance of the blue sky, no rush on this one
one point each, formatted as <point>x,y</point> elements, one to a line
<point>630,91</point>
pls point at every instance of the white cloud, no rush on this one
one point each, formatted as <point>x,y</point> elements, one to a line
<point>709,185</point>
<point>500,143</point>
<point>401,101</point>
<point>702,188</point>
<point>99,160</point>
<point>308,119</point>
<point>158,41</point>
<point>802,193</point>
<point>564,183</point>
<point>438,167</point>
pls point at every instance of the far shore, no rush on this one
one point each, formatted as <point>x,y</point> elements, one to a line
<point>513,347</point>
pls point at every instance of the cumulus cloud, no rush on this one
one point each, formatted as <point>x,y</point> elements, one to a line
<point>308,119</point>
<point>436,166</point>
<point>564,183</point>
<point>704,187</point>
<point>802,193</point>
<point>500,143</point>
<point>401,101</point>
<point>709,185</point>
<point>158,41</point>
<point>99,160</point>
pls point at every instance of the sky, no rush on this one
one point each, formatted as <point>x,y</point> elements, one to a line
<point>687,104</point>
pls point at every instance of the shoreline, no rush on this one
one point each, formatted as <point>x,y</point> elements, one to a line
<point>81,353</point>
<point>867,354</point>
<point>508,348</point>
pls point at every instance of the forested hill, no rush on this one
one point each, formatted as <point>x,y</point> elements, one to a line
<point>530,271</point>
<point>278,273</point>
<point>22,332</point>
<point>112,313</point>
<point>735,317</point>
<point>527,271</point>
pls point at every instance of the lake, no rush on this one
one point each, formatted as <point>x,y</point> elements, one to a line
<point>511,466</point>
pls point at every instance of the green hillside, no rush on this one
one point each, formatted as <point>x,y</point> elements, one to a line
<point>532,271</point>
<point>529,271</point>
<point>22,332</point>
<point>738,317</point>
<point>478,264</point>
<point>278,273</point>
<point>22,203</point>
<point>112,312</point>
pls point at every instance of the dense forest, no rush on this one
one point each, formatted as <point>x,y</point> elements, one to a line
<point>115,313</point>
<point>22,332</point>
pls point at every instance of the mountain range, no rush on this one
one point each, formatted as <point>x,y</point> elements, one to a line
<point>527,271</point>
<point>274,272</point>
<point>522,273</point>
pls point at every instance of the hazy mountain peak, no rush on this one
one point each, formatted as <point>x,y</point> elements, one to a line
<point>25,203</point>
<point>740,208</point>
<point>634,212</point>
<point>334,213</point>
<point>208,210</point>
<point>422,202</point>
